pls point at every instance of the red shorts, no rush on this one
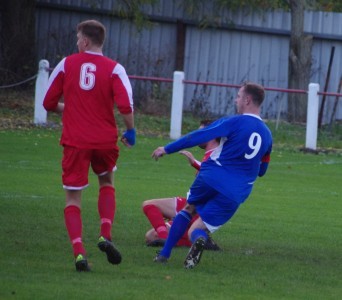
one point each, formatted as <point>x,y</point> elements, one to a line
<point>76,163</point>
<point>180,203</point>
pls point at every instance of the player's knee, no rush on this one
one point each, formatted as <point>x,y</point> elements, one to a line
<point>151,236</point>
<point>189,208</point>
<point>145,206</point>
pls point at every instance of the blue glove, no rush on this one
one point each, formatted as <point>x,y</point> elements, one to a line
<point>128,137</point>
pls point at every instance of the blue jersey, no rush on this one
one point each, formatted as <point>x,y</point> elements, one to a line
<point>233,166</point>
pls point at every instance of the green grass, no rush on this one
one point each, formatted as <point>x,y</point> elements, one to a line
<point>283,243</point>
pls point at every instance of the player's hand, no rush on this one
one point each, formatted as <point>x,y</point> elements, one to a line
<point>159,152</point>
<point>128,138</point>
<point>188,155</point>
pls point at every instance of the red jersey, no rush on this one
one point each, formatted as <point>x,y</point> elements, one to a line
<point>91,84</point>
<point>197,164</point>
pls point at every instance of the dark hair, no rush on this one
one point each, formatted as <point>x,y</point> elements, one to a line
<point>94,30</point>
<point>256,91</point>
<point>207,122</point>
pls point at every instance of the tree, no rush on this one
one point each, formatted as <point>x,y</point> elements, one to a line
<point>300,43</point>
<point>17,40</point>
<point>299,62</point>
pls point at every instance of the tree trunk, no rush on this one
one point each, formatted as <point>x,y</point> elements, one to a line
<point>299,63</point>
<point>17,40</point>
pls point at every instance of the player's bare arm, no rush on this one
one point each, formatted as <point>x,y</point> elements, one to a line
<point>188,155</point>
<point>159,152</point>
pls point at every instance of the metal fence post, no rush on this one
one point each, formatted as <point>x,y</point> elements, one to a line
<point>177,105</point>
<point>312,117</point>
<point>41,87</point>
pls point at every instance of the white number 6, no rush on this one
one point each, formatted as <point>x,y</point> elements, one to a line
<point>87,78</point>
<point>254,143</point>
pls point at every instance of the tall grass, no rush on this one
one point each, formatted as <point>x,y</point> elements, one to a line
<point>283,243</point>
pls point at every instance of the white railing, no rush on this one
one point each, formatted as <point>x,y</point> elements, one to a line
<point>177,104</point>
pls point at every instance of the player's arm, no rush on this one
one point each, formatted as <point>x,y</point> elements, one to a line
<point>128,137</point>
<point>193,162</point>
<point>123,96</point>
<point>264,164</point>
<point>55,90</point>
<point>122,90</point>
<point>159,152</point>
<point>219,128</point>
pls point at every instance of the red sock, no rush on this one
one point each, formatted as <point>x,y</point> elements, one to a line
<point>106,207</point>
<point>73,223</point>
<point>156,219</point>
<point>184,241</point>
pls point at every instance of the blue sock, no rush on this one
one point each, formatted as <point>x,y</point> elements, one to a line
<point>197,233</point>
<point>179,225</point>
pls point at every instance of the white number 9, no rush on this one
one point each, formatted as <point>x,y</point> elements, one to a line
<point>254,143</point>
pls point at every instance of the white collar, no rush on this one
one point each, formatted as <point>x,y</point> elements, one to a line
<point>253,115</point>
<point>95,53</point>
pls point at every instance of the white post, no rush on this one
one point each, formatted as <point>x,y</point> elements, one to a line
<point>41,87</point>
<point>177,105</point>
<point>312,117</point>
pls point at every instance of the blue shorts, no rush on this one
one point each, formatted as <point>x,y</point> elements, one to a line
<point>214,208</point>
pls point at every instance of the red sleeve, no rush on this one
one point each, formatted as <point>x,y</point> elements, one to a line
<point>196,164</point>
<point>266,158</point>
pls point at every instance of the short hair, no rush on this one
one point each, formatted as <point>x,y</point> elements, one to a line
<point>94,30</point>
<point>256,91</point>
<point>207,122</point>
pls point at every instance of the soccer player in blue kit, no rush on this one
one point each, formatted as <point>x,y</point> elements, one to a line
<point>226,179</point>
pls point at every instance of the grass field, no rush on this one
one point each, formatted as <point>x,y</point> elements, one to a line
<point>284,242</point>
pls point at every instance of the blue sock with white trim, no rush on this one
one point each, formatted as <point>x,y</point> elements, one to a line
<point>179,225</point>
<point>197,233</point>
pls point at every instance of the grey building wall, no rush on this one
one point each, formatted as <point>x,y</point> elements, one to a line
<point>241,46</point>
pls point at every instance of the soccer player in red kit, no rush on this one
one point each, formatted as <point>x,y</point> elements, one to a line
<point>91,85</point>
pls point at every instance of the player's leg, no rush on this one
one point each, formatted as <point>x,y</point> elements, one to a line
<point>73,223</point>
<point>198,235</point>
<point>199,193</point>
<point>210,243</point>
<point>156,210</point>
<point>177,230</point>
<point>106,204</point>
<point>216,212</point>
<point>103,163</point>
<point>185,241</point>
<point>75,165</point>
<point>151,236</point>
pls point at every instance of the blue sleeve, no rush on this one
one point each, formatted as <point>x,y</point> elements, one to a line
<point>194,138</point>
